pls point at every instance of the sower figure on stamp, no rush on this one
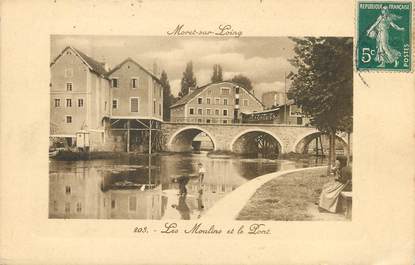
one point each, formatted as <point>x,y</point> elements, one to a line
<point>379,30</point>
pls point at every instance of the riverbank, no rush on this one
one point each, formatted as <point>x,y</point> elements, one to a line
<point>96,155</point>
<point>229,207</point>
<point>67,155</point>
<point>290,197</point>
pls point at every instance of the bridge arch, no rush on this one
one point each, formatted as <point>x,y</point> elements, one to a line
<point>181,140</point>
<point>304,140</point>
<point>252,133</point>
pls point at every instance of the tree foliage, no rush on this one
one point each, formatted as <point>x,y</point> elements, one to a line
<point>243,81</point>
<point>217,74</point>
<point>168,98</point>
<point>188,80</point>
<point>323,83</point>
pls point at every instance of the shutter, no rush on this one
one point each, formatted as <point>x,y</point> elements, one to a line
<point>134,105</point>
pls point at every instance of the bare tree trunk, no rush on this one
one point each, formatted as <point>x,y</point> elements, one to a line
<point>330,158</point>
<point>332,150</point>
<point>348,148</point>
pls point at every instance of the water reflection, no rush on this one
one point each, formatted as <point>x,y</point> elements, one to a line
<point>136,187</point>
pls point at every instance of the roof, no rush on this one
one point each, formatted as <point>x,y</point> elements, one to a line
<point>134,62</point>
<point>199,90</point>
<point>93,65</point>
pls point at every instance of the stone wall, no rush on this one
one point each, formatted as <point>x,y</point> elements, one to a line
<point>178,135</point>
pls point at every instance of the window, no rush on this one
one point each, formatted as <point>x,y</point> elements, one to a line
<point>245,102</point>
<point>225,101</point>
<point>191,111</point>
<point>236,101</point>
<point>114,82</point>
<point>67,207</point>
<point>68,189</point>
<point>78,207</point>
<point>68,102</point>
<point>216,112</point>
<point>225,112</point>
<point>207,100</point>
<point>208,111</point>
<point>115,104</point>
<point>159,108</point>
<point>134,104</point>
<point>134,83</point>
<point>225,121</point>
<point>55,206</point>
<point>224,91</point>
<point>68,119</point>
<point>199,100</point>
<point>237,90</point>
<point>217,101</point>
<point>199,111</point>
<point>68,86</point>
<point>199,120</point>
<point>207,120</point>
<point>132,203</point>
<point>57,102</point>
<point>105,105</point>
<point>154,106</point>
<point>68,72</point>
<point>80,102</point>
<point>209,92</point>
<point>113,204</point>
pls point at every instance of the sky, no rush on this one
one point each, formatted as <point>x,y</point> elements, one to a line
<point>261,59</point>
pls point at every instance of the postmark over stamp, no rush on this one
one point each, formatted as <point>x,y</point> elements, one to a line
<point>384,32</point>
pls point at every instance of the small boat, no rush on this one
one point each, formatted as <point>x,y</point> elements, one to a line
<point>53,153</point>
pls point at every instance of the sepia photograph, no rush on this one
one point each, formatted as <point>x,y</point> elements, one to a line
<point>164,128</point>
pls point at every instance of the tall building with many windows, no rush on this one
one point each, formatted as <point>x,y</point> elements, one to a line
<point>220,102</point>
<point>136,92</point>
<point>90,103</point>
<point>79,96</point>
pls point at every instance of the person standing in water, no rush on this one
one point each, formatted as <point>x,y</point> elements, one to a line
<point>201,173</point>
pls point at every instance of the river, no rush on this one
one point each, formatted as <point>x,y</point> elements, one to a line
<point>128,188</point>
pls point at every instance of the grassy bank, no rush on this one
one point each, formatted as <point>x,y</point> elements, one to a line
<point>285,198</point>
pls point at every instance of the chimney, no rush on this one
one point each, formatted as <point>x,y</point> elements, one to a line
<point>106,66</point>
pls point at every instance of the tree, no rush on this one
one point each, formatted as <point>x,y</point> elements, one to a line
<point>167,96</point>
<point>220,76</point>
<point>217,74</point>
<point>188,80</point>
<point>243,81</point>
<point>323,84</point>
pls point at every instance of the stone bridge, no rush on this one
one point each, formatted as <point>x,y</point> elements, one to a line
<point>238,137</point>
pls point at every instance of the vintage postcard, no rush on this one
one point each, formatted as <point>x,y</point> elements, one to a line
<point>187,132</point>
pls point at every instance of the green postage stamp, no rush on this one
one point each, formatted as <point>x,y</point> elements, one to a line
<point>384,33</point>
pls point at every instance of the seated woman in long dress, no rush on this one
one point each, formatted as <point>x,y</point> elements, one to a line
<point>330,193</point>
